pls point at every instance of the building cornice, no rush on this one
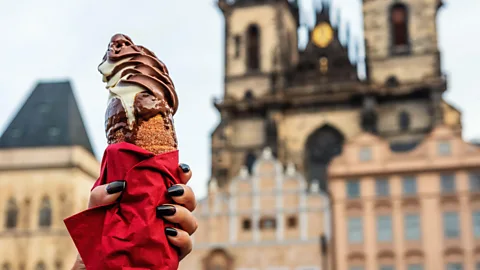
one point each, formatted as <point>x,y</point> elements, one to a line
<point>21,159</point>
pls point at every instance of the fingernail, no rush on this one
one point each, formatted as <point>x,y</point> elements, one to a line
<point>176,191</point>
<point>171,232</point>
<point>185,168</point>
<point>166,210</point>
<point>115,187</point>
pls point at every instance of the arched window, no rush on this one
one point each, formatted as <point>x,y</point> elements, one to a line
<point>40,266</point>
<point>392,81</point>
<point>11,214</point>
<point>248,95</point>
<point>399,27</point>
<point>6,266</point>
<point>322,146</point>
<point>45,217</point>
<point>250,161</point>
<point>253,47</point>
<point>272,135</point>
<point>404,121</point>
<point>369,119</point>
<point>26,213</point>
<point>218,259</point>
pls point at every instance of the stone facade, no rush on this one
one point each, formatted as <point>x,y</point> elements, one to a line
<point>422,60</point>
<point>412,210</point>
<point>279,96</point>
<point>262,220</point>
<point>39,187</point>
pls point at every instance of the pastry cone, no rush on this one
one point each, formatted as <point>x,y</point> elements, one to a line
<point>152,135</point>
<point>142,97</point>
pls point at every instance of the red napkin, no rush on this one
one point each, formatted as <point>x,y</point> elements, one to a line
<point>127,234</point>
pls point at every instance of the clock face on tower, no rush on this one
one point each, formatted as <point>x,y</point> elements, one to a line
<point>322,35</point>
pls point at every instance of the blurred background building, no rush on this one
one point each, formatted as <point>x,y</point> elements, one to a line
<point>310,107</point>
<point>267,219</point>
<point>312,167</point>
<point>47,169</point>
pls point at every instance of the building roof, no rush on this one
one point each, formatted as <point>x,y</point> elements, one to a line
<point>49,117</point>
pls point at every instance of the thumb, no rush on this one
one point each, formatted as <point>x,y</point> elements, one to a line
<point>106,194</point>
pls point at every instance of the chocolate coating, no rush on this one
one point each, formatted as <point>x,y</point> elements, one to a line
<point>131,67</point>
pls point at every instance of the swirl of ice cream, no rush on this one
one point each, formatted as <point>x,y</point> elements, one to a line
<point>139,84</point>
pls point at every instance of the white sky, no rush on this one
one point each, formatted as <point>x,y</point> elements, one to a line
<point>58,39</point>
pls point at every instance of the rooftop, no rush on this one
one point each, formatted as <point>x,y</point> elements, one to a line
<point>49,117</point>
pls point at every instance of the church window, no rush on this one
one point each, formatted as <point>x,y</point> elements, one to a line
<point>369,120</point>
<point>250,161</point>
<point>399,28</point>
<point>237,40</point>
<point>11,214</point>
<point>322,146</point>
<point>392,82</point>
<point>222,172</point>
<point>272,135</point>
<point>45,217</point>
<point>253,48</point>
<point>248,95</point>
<point>404,121</point>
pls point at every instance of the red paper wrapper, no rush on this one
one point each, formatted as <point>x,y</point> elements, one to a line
<point>127,234</point>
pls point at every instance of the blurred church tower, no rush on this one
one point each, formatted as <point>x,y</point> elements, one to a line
<point>47,167</point>
<point>304,104</point>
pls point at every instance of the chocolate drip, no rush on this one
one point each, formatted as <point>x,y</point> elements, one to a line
<point>141,68</point>
<point>115,118</point>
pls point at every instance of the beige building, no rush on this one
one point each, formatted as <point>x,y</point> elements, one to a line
<point>417,210</point>
<point>47,168</point>
<point>265,220</point>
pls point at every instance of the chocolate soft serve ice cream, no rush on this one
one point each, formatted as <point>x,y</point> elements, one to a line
<point>142,98</point>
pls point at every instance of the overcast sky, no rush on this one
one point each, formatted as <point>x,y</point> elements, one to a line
<point>57,39</point>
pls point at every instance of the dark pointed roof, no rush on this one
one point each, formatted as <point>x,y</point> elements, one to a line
<point>340,68</point>
<point>49,117</point>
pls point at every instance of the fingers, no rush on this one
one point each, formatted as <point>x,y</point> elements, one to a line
<point>183,195</point>
<point>185,173</point>
<point>106,194</point>
<point>178,215</point>
<point>181,240</point>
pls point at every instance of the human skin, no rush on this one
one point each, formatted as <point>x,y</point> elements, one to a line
<point>179,213</point>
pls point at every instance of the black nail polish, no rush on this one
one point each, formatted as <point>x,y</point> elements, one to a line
<point>171,232</point>
<point>185,168</point>
<point>176,191</point>
<point>166,210</point>
<point>116,187</point>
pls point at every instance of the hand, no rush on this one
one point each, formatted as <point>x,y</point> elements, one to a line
<point>179,213</point>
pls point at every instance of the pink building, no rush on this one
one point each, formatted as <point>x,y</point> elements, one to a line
<point>416,210</point>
